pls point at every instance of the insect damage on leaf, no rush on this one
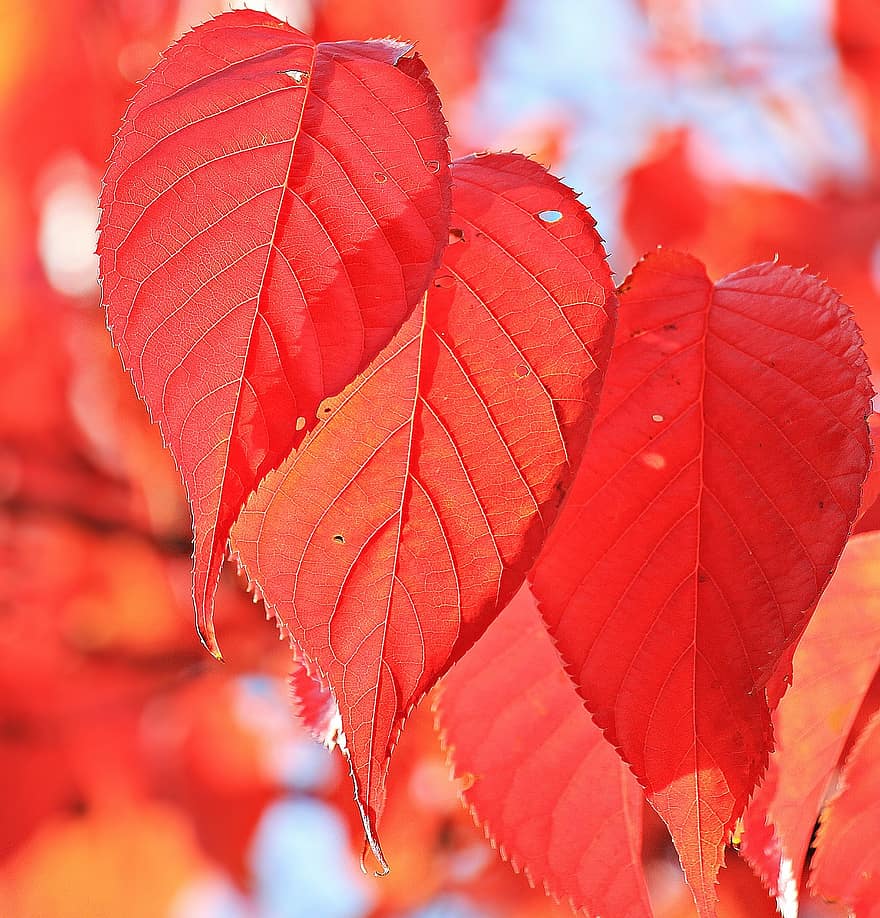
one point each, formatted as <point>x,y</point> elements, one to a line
<point>441,464</point>
<point>399,395</point>
<point>692,543</point>
<point>250,264</point>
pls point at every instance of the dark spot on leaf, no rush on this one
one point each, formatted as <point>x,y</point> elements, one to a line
<point>13,729</point>
<point>670,327</point>
<point>78,806</point>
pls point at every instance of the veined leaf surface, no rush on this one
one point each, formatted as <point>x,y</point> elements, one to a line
<point>272,211</point>
<point>721,482</point>
<point>846,865</point>
<point>410,517</point>
<point>539,777</point>
<point>833,666</point>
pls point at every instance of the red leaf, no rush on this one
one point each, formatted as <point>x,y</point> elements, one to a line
<point>452,33</point>
<point>846,865</point>
<point>664,200</point>
<point>721,482</point>
<point>833,667</point>
<point>548,789</point>
<point>315,706</point>
<point>407,521</point>
<point>272,212</point>
<point>869,512</point>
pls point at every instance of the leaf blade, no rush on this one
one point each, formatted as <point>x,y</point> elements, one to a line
<point>390,540</point>
<point>845,865</point>
<point>548,790</point>
<point>246,213</point>
<point>685,557</point>
<point>833,666</point>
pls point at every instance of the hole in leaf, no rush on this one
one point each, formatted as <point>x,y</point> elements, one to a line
<point>298,76</point>
<point>654,461</point>
<point>455,235</point>
<point>657,418</point>
<point>339,538</point>
<point>380,177</point>
<point>433,165</point>
<point>550,216</point>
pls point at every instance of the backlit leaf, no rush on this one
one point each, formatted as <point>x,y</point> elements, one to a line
<point>833,666</point>
<point>273,210</point>
<point>722,479</point>
<point>387,544</point>
<point>546,786</point>
<point>846,865</point>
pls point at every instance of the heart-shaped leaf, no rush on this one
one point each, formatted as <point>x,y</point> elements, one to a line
<point>408,519</point>
<point>272,212</point>
<point>721,482</point>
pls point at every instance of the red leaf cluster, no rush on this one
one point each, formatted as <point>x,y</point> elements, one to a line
<point>397,387</point>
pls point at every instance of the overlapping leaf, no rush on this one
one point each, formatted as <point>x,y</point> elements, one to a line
<point>833,666</point>
<point>868,511</point>
<point>452,34</point>
<point>722,479</point>
<point>846,865</point>
<point>272,212</point>
<point>410,517</point>
<point>539,777</point>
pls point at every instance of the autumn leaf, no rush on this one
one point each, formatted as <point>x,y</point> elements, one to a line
<point>722,479</point>
<point>868,514</point>
<point>127,857</point>
<point>833,666</point>
<point>409,518</point>
<point>272,212</point>
<point>537,774</point>
<point>846,865</point>
<point>665,203</point>
<point>452,33</point>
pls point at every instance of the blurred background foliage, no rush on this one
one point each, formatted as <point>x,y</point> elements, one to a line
<point>137,776</point>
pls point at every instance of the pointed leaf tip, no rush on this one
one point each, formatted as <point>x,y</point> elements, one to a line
<point>387,560</point>
<point>229,183</point>
<point>205,630</point>
<point>371,846</point>
<point>316,707</point>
